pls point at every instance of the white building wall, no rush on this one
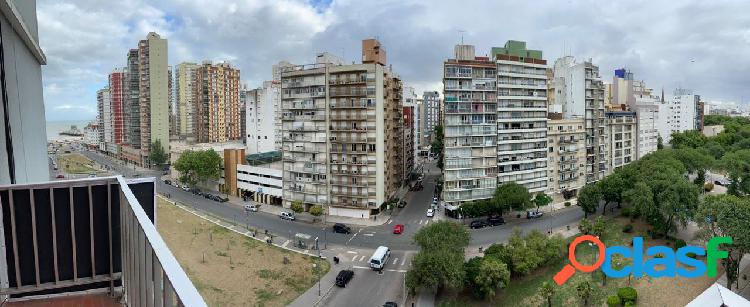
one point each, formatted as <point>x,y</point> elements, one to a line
<point>647,112</point>
<point>261,110</point>
<point>259,179</point>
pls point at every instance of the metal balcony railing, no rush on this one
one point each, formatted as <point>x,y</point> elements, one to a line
<point>85,234</point>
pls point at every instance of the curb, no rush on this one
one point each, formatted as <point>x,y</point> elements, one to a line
<point>219,222</point>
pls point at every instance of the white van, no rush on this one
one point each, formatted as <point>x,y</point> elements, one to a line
<point>379,258</point>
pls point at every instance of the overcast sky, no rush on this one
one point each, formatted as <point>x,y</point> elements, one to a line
<point>701,45</point>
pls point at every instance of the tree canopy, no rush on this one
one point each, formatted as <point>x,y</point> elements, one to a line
<point>157,155</point>
<point>727,215</point>
<point>512,196</point>
<point>198,166</point>
<point>440,261</point>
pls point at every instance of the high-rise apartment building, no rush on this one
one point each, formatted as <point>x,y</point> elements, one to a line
<point>682,113</point>
<point>430,117</point>
<point>342,134</point>
<point>217,103</point>
<point>579,93</point>
<point>470,127</point>
<point>410,130</point>
<point>260,112</point>
<point>635,96</point>
<point>567,155</point>
<point>184,81</point>
<point>132,111</point>
<point>521,116</point>
<point>154,93</point>
<point>622,138</point>
<point>104,118</point>
<point>118,95</point>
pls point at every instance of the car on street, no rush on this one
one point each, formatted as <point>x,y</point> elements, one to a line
<point>167,182</point>
<point>390,304</point>
<point>402,204</point>
<point>344,277</point>
<point>494,220</point>
<point>287,216</point>
<point>533,214</point>
<point>251,208</point>
<point>722,182</point>
<point>398,229</point>
<point>341,228</point>
<point>477,224</point>
<point>185,188</point>
<point>430,212</point>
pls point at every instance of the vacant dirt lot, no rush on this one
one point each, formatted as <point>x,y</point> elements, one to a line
<point>230,269</point>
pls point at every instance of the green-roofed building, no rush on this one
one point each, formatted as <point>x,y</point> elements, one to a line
<point>516,48</point>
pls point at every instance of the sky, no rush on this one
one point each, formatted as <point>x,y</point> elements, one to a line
<point>700,45</point>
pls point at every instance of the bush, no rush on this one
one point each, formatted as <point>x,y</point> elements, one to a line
<point>627,228</point>
<point>567,204</point>
<point>629,304</point>
<point>679,243</point>
<point>627,295</point>
<point>613,301</point>
<point>297,207</point>
<point>708,187</point>
<point>625,212</point>
<point>316,210</point>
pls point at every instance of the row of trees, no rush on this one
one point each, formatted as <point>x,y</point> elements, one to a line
<point>439,262</point>
<point>508,196</point>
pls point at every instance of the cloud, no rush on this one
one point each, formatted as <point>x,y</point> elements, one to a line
<point>693,44</point>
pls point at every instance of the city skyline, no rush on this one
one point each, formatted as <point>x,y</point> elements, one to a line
<point>648,39</point>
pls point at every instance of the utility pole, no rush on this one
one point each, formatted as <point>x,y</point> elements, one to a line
<point>320,278</point>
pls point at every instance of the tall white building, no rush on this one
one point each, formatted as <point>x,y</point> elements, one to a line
<point>621,138</point>
<point>430,116</point>
<point>682,113</point>
<point>104,118</point>
<point>260,113</point>
<point>637,97</point>
<point>411,104</point>
<point>579,93</point>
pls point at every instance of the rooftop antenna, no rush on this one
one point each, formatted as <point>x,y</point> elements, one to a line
<point>461,32</point>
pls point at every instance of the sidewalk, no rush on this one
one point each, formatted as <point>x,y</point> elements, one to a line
<point>310,298</point>
<point>565,231</point>
<point>744,285</point>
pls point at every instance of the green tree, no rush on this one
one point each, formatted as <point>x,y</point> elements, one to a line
<point>611,188</point>
<point>440,261</point>
<point>584,291</point>
<point>727,215</point>
<point>493,274</point>
<point>316,210</point>
<point>659,143</point>
<point>677,204</point>
<point>640,199</point>
<point>297,206</point>
<point>588,199</point>
<point>547,290</point>
<point>437,146</point>
<point>737,166</point>
<point>688,139</point>
<point>511,196</point>
<point>158,155</point>
<point>542,200</point>
<point>198,166</point>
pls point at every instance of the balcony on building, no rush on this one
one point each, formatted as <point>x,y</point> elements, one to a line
<point>88,241</point>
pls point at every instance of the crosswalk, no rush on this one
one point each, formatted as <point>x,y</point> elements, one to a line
<point>399,261</point>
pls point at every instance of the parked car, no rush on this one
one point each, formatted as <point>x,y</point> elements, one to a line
<point>402,204</point>
<point>477,224</point>
<point>344,277</point>
<point>430,212</point>
<point>185,188</point>
<point>494,220</point>
<point>390,304</point>
<point>287,216</point>
<point>722,182</point>
<point>341,228</point>
<point>167,182</point>
<point>533,214</point>
<point>398,229</point>
<point>251,208</point>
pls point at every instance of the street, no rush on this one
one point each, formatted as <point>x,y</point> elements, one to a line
<point>367,288</point>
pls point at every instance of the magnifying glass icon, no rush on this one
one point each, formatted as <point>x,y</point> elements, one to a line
<point>569,269</point>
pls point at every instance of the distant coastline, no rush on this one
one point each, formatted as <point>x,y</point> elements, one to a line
<point>55,127</point>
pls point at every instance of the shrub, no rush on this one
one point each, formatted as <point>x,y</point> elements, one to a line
<point>679,243</point>
<point>297,207</point>
<point>625,212</point>
<point>627,295</point>
<point>567,204</point>
<point>613,301</point>
<point>316,210</point>
<point>627,228</point>
<point>629,304</point>
<point>708,187</point>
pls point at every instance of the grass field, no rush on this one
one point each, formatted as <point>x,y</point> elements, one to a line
<point>230,269</point>
<point>524,291</point>
<point>75,163</point>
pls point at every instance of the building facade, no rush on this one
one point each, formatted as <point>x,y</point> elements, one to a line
<point>579,93</point>
<point>104,118</point>
<point>260,113</point>
<point>342,134</point>
<point>430,117</point>
<point>682,113</point>
<point>521,116</point>
<point>567,156</point>
<point>470,127</point>
<point>91,136</point>
<point>184,81</point>
<point>118,96</point>
<point>622,129</point>
<point>217,103</point>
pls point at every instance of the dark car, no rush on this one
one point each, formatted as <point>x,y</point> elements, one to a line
<point>341,228</point>
<point>167,182</point>
<point>495,220</point>
<point>402,204</point>
<point>477,224</point>
<point>344,277</point>
<point>390,304</point>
